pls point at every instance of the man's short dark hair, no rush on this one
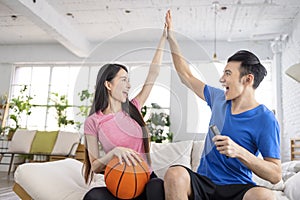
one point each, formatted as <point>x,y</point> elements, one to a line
<point>250,64</point>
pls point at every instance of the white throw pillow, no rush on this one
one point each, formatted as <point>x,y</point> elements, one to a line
<point>196,154</point>
<point>163,155</point>
<point>21,141</point>
<point>64,143</point>
<point>292,190</point>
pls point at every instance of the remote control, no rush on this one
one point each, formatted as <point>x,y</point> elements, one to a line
<point>215,130</point>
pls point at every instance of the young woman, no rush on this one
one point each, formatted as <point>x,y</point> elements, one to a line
<point>116,124</point>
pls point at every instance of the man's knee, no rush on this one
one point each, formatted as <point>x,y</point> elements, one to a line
<point>177,175</point>
<point>259,193</point>
<point>177,183</point>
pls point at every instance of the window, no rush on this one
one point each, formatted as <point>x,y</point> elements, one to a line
<point>43,82</point>
<point>69,80</point>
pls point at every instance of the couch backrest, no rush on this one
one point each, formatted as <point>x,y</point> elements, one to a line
<point>66,142</point>
<point>21,141</point>
<point>26,142</point>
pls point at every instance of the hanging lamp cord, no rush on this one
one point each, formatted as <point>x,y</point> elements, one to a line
<point>215,39</point>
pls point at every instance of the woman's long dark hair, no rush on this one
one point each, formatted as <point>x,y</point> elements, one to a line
<point>100,103</point>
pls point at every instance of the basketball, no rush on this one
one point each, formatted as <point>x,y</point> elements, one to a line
<point>126,182</point>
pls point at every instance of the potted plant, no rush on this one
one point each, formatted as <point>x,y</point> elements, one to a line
<point>61,104</point>
<point>84,109</point>
<point>158,123</point>
<point>18,106</point>
<point>4,108</point>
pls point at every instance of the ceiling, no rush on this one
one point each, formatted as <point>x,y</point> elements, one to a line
<point>78,24</point>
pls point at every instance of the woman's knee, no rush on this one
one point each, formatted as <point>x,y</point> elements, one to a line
<point>155,183</point>
<point>155,189</point>
<point>97,192</point>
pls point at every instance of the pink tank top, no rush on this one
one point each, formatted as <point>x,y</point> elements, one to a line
<point>117,129</point>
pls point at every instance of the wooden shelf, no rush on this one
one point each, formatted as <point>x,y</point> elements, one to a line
<point>80,153</point>
<point>295,148</point>
<point>3,114</point>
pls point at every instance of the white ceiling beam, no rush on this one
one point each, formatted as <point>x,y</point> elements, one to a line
<point>52,22</point>
<point>111,50</point>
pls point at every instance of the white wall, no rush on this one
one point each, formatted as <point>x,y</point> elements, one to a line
<point>6,71</point>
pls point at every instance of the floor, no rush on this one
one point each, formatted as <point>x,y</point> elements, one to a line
<point>6,183</point>
<point>6,180</point>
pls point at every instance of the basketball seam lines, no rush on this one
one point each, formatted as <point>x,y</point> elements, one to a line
<point>120,179</point>
<point>135,178</point>
<point>111,170</point>
<point>145,171</point>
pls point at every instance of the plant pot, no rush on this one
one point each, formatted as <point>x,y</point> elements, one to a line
<point>10,134</point>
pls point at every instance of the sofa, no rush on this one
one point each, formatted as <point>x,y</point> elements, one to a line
<point>63,179</point>
<point>42,144</point>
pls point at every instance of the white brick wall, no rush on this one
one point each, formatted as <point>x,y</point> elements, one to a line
<point>290,92</point>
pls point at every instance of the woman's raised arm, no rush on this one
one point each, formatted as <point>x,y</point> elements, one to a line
<point>153,70</point>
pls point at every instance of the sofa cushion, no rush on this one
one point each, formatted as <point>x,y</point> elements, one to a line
<point>289,169</point>
<point>259,181</point>
<point>21,141</point>
<point>292,187</point>
<point>43,142</point>
<point>297,167</point>
<point>167,154</point>
<point>64,143</point>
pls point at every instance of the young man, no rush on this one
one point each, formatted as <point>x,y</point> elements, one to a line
<point>246,127</point>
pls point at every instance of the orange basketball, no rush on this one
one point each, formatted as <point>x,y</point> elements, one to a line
<point>126,182</point>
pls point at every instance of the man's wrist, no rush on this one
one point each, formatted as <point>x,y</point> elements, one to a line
<point>171,34</point>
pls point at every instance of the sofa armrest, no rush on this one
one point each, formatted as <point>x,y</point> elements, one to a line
<point>52,180</point>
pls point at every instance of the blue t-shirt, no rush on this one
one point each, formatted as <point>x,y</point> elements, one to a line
<point>256,130</point>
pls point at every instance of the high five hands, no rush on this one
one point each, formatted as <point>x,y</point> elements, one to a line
<point>168,20</point>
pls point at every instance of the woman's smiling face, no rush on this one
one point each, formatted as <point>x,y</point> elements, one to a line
<point>119,86</point>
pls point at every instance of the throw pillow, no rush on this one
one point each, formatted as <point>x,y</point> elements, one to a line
<point>163,155</point>
<point>196,154</point>
<point>292,187</point>
<point>43,142</point>
<point>21,141</point>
